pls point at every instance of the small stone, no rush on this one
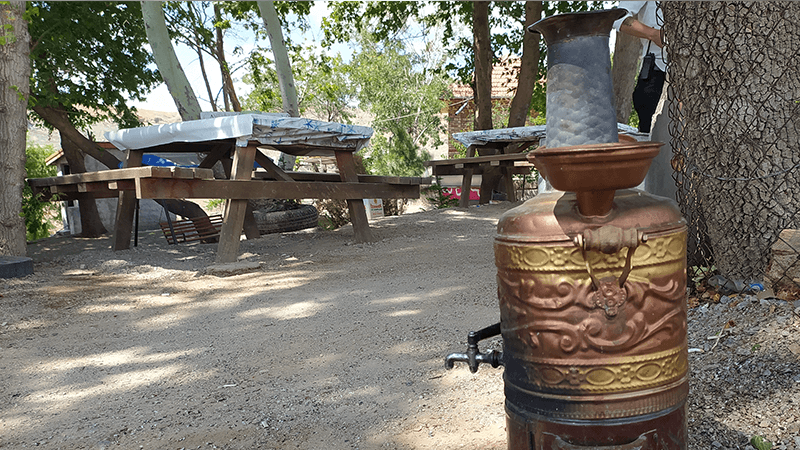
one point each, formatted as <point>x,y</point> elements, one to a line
<point>716,444</point>
<point>743,351</point>
<point>741,305</point>
<point>724,299</point>
<point>764,302</point>
<point>767,373</point>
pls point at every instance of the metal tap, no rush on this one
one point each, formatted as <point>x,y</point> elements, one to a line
<point>473,357</point>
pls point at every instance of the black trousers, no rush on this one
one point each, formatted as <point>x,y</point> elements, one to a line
<point>646,96</point>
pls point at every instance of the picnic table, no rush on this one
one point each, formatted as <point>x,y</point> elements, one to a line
<point>511,145</point>
<point>237,141</point>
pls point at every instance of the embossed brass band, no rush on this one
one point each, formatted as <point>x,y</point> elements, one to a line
<point>619,374</point>
<point>569,258</point>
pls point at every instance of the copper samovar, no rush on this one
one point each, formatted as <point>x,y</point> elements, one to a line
<point>591,281</point>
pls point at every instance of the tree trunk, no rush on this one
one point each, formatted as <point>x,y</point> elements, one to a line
<point>91,225</point>
<point>496,178</point>
<point>482,44</point>
<point>529,69</point>
<point>736,70</point>
<point>283,67</point>
<point>167,62</point>
<point>227,81</point>
<point>60,121</point>
<point>15,72</point>
<point>624,69</point>
<point>482,89</point>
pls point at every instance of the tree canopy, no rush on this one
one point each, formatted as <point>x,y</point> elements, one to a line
<point>90,58</point>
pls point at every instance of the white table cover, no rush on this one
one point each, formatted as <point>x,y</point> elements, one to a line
<point>268,129</point>
<point>483,137</point>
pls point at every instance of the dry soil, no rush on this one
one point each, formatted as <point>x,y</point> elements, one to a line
<point>320,343</point>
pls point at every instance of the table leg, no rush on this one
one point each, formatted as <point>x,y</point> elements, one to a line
<point>508,176</point>
<point>466,188</point>
<point>231,232</point>
<point>466,181</point>
<point>126,206</point>
<point>250,227</point>
<point>358,213</point>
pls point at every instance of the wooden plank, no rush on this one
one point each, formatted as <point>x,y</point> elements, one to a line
<point>122,185</point>
<point>450,170</point>
<point>252,189</point>
<point>195,229</point>
<point>274,171</point>
<point>478,159</point>
<point>124,174</point>
<point>183,172</point>
<point>335,177</point>
<point>216,152</point>
<point>235,209</point>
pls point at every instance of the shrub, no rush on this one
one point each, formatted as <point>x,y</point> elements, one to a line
<point>435,194</point>
<point>35,211</point>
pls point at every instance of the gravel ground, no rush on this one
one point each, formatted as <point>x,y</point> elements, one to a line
<point>319,343</point>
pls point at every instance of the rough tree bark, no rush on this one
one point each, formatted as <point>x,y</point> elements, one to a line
<point>283,67</point>
<point>625,67</point>
<point>91,225</point>
<point>15,72</point>
<point>482,44</point>
<point>482,89</point>
<point>59,120</point>
<point>736,130</point>
<point>529,68</point>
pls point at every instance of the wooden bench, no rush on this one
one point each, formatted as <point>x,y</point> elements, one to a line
<point>189,230</point>
<point>108,183</point>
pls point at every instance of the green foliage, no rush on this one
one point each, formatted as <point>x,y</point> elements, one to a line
<point>633,120</point>
<point>405,98</point>
<point>90,57</point>
<point>321,81</point>
<point>34,210</point>
<point>215,203</point>
<point>395,154</point>
<point>333,214</point>
<point>436,195</point>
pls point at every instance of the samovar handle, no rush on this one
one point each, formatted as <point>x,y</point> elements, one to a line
<point>609,239</point>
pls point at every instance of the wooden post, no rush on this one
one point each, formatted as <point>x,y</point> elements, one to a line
<point>358,213</point>
<point>250,227</point>
<point>126,206</point>
<point>231,232</point>
<point>466,181</point>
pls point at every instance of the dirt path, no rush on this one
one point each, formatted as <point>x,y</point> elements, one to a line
<point>324,344</point>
